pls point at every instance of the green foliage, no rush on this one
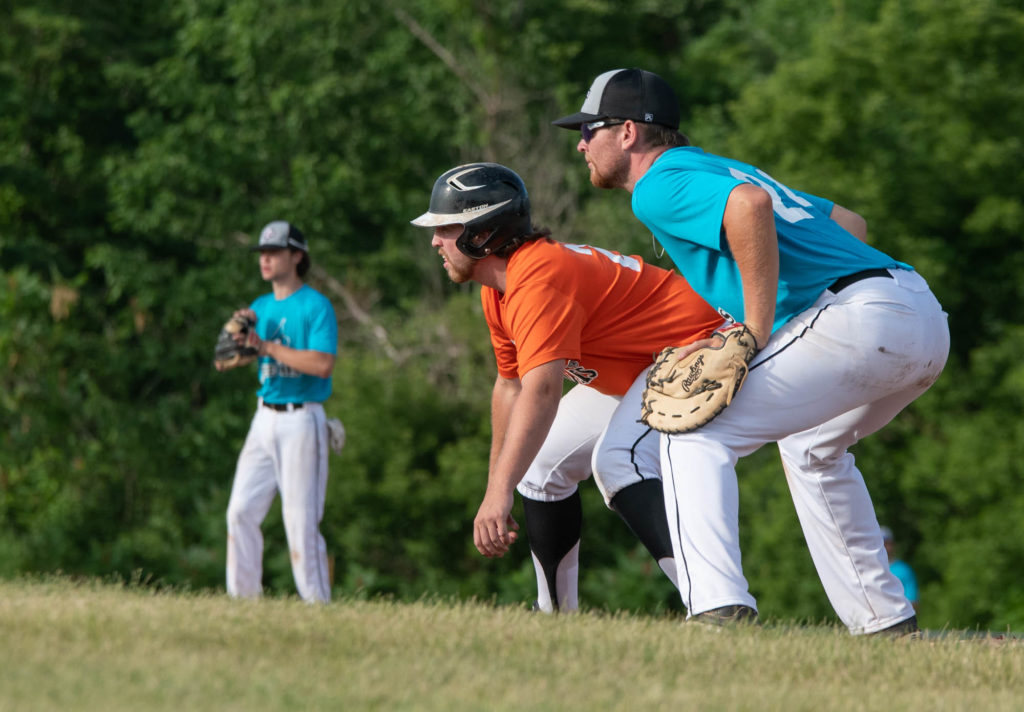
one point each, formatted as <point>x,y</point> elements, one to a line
<point>143,145</point>
<point>923,129</point>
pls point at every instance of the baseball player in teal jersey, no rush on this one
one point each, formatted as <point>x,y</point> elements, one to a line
<point>901,569</point>
<point>848,337</point>
<point>286,449</point>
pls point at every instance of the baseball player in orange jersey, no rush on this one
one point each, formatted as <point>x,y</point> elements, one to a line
<point>555,312</point>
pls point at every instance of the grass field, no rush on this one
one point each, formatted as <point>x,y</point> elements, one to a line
<point>95,646</point>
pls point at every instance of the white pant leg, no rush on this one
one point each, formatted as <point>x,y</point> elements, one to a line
<point>702,506</point>
<point>301,438</point>
<point>842,533</point>
<point>906,349</point>
<point>837,372</point>
<point>252,493</point>
<point>627,451</point>
<point>564,459</point>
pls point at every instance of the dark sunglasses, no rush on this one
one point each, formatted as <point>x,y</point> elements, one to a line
<point>587,130</point>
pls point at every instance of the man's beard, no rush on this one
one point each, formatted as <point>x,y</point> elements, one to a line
<point>612,177</point>
<point>458,273</point>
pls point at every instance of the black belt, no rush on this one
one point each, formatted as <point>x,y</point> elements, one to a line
<point>844,282</point>
<point>281,407</point>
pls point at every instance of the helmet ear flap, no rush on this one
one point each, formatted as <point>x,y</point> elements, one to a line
<point>490,202</point>
<point>465,243</point>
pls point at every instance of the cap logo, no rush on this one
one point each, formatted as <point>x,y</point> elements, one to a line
<point>267,234</point>
<point>648,117</point>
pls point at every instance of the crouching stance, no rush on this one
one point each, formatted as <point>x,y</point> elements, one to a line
<point>560,312</point>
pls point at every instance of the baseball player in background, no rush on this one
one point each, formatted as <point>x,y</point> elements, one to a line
<point>296,338</point>
<point>560,312</point>
<point>848,337</point>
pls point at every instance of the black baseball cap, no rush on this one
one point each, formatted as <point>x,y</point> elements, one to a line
<point>627,94</point>
<point>280,234</point>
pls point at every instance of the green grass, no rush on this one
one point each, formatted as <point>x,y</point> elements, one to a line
<point>95,646</point>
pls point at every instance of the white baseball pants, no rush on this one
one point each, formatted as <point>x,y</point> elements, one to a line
<point>833,375</point>
<point>284,452</point>
<point>592,433</point>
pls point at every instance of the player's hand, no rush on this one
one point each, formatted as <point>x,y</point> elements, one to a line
<point>714,341</point>
<point>251,338</point>
<point>688,349</point>
<point>494,529</point>
<point>243,338</point>
<point>245,313</point>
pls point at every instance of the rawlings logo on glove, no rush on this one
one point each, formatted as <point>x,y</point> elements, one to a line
<point>229,353</point>
<point>682,395</point>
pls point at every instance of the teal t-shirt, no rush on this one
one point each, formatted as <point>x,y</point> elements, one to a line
<point>303,320</point>
<point>902,571</point>
<point>682,198</point>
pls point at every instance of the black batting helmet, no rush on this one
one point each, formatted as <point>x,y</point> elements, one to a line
<point>483,198</point>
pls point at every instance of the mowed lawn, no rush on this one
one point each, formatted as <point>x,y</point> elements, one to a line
<point>99,646</point>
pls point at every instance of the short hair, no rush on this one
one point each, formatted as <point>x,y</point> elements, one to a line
<point>655,135</point>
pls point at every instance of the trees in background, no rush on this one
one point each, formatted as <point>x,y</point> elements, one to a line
<point>143,147</point>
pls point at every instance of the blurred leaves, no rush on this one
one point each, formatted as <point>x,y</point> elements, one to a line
<point>143,145</point>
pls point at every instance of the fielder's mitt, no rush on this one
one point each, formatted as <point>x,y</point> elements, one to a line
<point>228,353</point>
<point>682,395</point>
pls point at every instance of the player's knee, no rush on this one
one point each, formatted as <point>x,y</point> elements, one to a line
<point>240,517</point>
<point>608,465</point>
<point>299,521</point>
<point>551,484</point>
<point>821,458</point>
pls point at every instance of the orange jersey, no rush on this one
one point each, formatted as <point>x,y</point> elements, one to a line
<point>607,315</point>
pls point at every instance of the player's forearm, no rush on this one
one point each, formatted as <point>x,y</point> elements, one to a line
<point>529,421</point>
<point>313,363</point>
<point>506,390</point>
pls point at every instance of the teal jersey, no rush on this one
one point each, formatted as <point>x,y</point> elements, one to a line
<point>902,571</point>
<point>304,320</point>
<point>681,199</point>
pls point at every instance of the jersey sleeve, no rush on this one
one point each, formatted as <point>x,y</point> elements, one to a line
<point>683,203</point>
<point>323,328</point>
<point>822,205</point>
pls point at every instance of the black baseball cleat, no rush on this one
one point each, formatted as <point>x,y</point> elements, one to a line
<point>727,616</point>
<point>906,629</point>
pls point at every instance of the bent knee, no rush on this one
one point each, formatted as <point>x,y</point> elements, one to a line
<point>239,516</point>
<point>614,470</point>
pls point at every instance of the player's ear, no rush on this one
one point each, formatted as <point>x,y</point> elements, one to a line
<point>630,135</point>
